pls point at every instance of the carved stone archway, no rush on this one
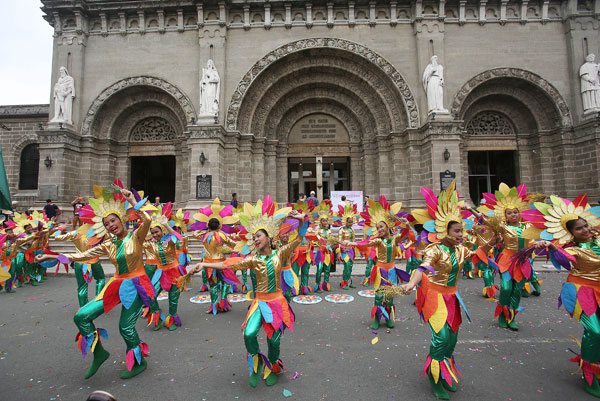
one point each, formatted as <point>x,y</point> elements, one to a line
<point>395,78</point>
<point>179,96</point>
<point>545,88</point>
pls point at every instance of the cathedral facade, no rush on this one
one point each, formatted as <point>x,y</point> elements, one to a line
<point>191,100</point>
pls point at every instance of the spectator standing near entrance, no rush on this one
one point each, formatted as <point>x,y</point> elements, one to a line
<point>313,198</point>
<point>301,197</point>
<point>156,201</point>
<point>234,201</point>
<point>51,210</point>
<point>77,204</point>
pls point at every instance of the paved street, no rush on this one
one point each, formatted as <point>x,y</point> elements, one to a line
<point>330,356</point>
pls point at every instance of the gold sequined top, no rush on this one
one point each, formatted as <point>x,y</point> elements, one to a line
<point>512,237</point>
<point>386,249</point>
<point>80,241</point>
<point>157,252</point>
<point>446,261</point>
<point>587,264</point>
<point>126,254</point>
<point>215,243</point>
<point>268,267</point>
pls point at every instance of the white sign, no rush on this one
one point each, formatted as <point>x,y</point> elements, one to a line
<point>355,197</point>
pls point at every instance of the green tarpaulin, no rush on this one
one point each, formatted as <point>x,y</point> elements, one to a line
<point>5,202</point>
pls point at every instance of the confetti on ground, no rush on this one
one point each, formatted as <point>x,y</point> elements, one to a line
<point>287,393</point>
<point>375,340</point>
<point>296,375</point>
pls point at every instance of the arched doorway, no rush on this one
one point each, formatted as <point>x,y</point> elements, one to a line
<point>511,117</point>
<point>338,80</point>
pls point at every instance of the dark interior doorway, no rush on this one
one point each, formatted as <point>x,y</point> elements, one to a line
<point>155,175</point>
<point>487,169</point>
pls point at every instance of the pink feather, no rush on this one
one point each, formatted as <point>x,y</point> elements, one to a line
<point>581,200</point>
<point>490,199</point>
<point>383,201</point>
<point>587,300</point>
<point>226,211</point>
<point>430,199</point>
<point>268,207</point>
<point>167,209</point>
<point>129,360</point>
<point>522,190</point>
<point>535,217</point>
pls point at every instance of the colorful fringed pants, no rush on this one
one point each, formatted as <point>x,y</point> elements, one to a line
<point>166,280</point>
<point>532,286</point>
<point>274,314</point>
<point>509,299</point>
<point>205,286</point>
<point>83,279</point>
<point>324,271</point>
<point>19,266</point>
<point>468,270</point>
<point>347,275</point>
<point>244,281</point>
<point>487,273</point>
<point>440,308</point>
<point>368,268</point>
<point>303,269</point>
<point>385,274</point>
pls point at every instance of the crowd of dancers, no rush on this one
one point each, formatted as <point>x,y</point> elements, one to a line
<point>275,246</point>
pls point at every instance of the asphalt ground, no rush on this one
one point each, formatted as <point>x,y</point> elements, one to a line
<point>331,355</point>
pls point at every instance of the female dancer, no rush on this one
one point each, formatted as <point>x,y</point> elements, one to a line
<point>322,248</point>
<point>84,270</point>
<point>438,301</point>
<point>163,267</point>
<point>269,309</point>
<point>506,206</point>
<point>576,247</point>
<point>346,216</point>
<point>382,218</point>
<point>130,286</point>
<point>211,226</point>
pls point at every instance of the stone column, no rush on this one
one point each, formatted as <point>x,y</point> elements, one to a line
<point>258,168</point>
<point>209,140</point>
<point>399,160</point>
<point>282,173</point>
<point>244,165</point>
<point>371,166</point>
<point>270,167</point>
<point>384,166</point>
<point>357,167</point>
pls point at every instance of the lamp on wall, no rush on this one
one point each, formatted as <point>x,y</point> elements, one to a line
<point>446,155</point>
<point>48,162</point>
<point>203,158</point>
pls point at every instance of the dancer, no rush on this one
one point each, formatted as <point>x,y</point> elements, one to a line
<point>211,228</point>
<point>8,262</point>
<point>346,217</point>
<point>269,309</point>
<point>130,286</point>
<point>301,258</point>
<point>438,301</point>
<point>505,206</point>
<point>84,270</point>
<point>163,266</point>
<point>323,253</point>
<point>380,219</point>
<point>571,225</point>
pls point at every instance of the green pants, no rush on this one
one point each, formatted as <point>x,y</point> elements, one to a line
<point>245,278</point>
<point>82,285</point>
<point>304,270</point>
<point>369,267</point>
<point>323,271</point>
<point>590,342</point>
<point>347,273</point>
<point>487,273</point>
<point>510,293</point>
<point>174,291</point>
<point>251,330</point>
<point>442,343</point>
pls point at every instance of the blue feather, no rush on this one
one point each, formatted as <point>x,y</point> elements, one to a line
<point>463,306</point>
<point>90,233</point>
<point>429,226</point>
<point>303,229</point>
<point>138,354</point>
<point>265,311</point>
<point>288,277</point>
<point>595,210</point>
<point>568,294</point>
<point>546,236</point>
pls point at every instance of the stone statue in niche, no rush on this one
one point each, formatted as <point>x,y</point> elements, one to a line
<point>589,73</point>
<point>210,86</point>
<point>64,93</point>
<point>433,83</point>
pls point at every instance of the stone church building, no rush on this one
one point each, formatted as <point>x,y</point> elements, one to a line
<point>311,95</point>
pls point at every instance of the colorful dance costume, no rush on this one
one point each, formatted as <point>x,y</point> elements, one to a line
<point>438,301</point>
<point>385,272</point>
<point>301,264</point>
<point>346,234</point>
<point>513,276</point>
<point>322,242</point>
<point>85,270</point>
<point>269,309</point>
<point>7,262</point>
<point>163,268</point>
<point>580,295</point>
<point>216,244</point>
<point>130,285</point>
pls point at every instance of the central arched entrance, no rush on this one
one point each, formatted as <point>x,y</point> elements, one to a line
<point>319,145</point>
<point>353,90</point>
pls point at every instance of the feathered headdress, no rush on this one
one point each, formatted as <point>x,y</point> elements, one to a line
<point>345,211</point>
<point>180,219</point>
<point>107,201</point>
<point>380,211</point>
<point>215,211</point>
<point>35,219</point>
<point>549,221</point>
<point>161,215</point>
<point>302,207</point>
<point>504,199</point>
<point>441,211</point>
<point>323,211</point>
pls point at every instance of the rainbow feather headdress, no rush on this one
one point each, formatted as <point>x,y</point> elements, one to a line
<point>107,201</point>
<point>380,211</point>
<point>224,214</point>
<point>441,211</point>
<point>323,211</point>
<point>345,211</point>
<point>549,221</point>
<point>35,219</point>
<point>505,198</point>
<point>180,219</point>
